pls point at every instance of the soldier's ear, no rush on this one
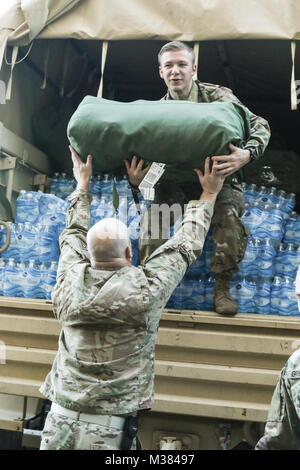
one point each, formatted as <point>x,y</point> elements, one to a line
<point>128,253</point>
<point>160,72</point>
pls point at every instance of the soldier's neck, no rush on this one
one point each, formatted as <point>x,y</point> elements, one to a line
<point>113,263</point>
<point>180,95</point>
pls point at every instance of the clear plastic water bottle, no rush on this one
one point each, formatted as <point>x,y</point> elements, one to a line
<point>43,287</point>
<point>251,193</point>
<point>187,293</point>
<point>292,260</point>
<point>2,272</point>
<point>262,195</point>
<point>27,207</point>
<point>10,273</point>
<point>123,187</point>
<point>65,186</point>
<point>243,291</point>
<point>54,184</point>
<point>132,212</point>
<point>290,201</point>
<point>14,248</point>
<point>28,242</point>
<point>122,211</point>
<point>287,260</point>
<point>273,223</point>
<point>208,251</point>
<point>266,259</point>
<point>34,276</point>
<point>262,298</point>
<point>50,279</point>
<point>209,284</point>
<point>198,266</point>
<point>47,243</point>
<point>253,218</point>
<point>292,229</point>
<point>273,197</point>
<point>283,297</point>
<point>175,300</point>
<point>280,260</point>
<point>102,208</point>
<point>20,279</point>
<point>248,265</point>
<point>135,252</point>
<point>95,186</point>
<point>199,293</point>
<point>107,185</point>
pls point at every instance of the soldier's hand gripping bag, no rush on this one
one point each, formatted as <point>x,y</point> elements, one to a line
<point>179,133</point>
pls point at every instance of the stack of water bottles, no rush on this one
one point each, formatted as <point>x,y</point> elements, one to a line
<point>265,283</point>
<point>28,267</point>
<point>130,213</point>
<point>196,290</point>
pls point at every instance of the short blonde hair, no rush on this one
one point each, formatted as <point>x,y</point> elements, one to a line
<point>176,46</point>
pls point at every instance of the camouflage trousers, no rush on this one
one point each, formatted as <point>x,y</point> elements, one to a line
<point>64,433</point>
<point>230,236</point>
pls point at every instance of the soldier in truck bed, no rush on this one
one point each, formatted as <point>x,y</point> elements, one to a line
<point>103,373</point>
<point>177,67</point>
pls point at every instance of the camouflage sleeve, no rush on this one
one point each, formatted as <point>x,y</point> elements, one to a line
<point>72,240</point>
<point>260,129</point>
<point>167,265</point>
<point>298,287</point>
<point>282,431</point>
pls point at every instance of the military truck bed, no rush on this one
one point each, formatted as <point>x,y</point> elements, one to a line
<point>207,365</point>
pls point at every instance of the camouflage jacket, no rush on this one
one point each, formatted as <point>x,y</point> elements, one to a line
<point>207,93</point>
<point>282,431</point>
<point>298,287</point>
<point>110,318</point>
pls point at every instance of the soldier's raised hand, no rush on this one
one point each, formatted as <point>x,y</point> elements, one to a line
<point>82,171</point>
<point>211,181</point>
<point>135,170</point>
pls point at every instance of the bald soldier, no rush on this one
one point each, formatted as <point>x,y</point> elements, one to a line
<point>102,375</point>
<point>177,68</point>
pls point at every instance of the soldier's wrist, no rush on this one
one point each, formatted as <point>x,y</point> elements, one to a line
<point>208,196</point>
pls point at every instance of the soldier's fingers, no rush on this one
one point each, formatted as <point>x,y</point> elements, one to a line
<point>222,166</point>
<point>220,158</point>
<point>73,151</point>
<point>133,161</point>
<point>199,172</point>
<point>89,160</point>
<point>232,147</point>
<point>145,170</point>
<point>140,165</point>
<point>74,155</point>
<point>206,166</point>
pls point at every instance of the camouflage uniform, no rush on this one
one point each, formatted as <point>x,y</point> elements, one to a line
<point>110,317</point>
<point>282,431</point>
<point>230,235</point>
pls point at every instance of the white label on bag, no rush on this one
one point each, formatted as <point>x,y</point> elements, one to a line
<point>154,174</point>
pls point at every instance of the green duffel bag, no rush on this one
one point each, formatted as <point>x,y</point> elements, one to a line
<point>179,133</point>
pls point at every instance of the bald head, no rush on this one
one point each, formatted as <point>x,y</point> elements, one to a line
<point>108,243</point>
